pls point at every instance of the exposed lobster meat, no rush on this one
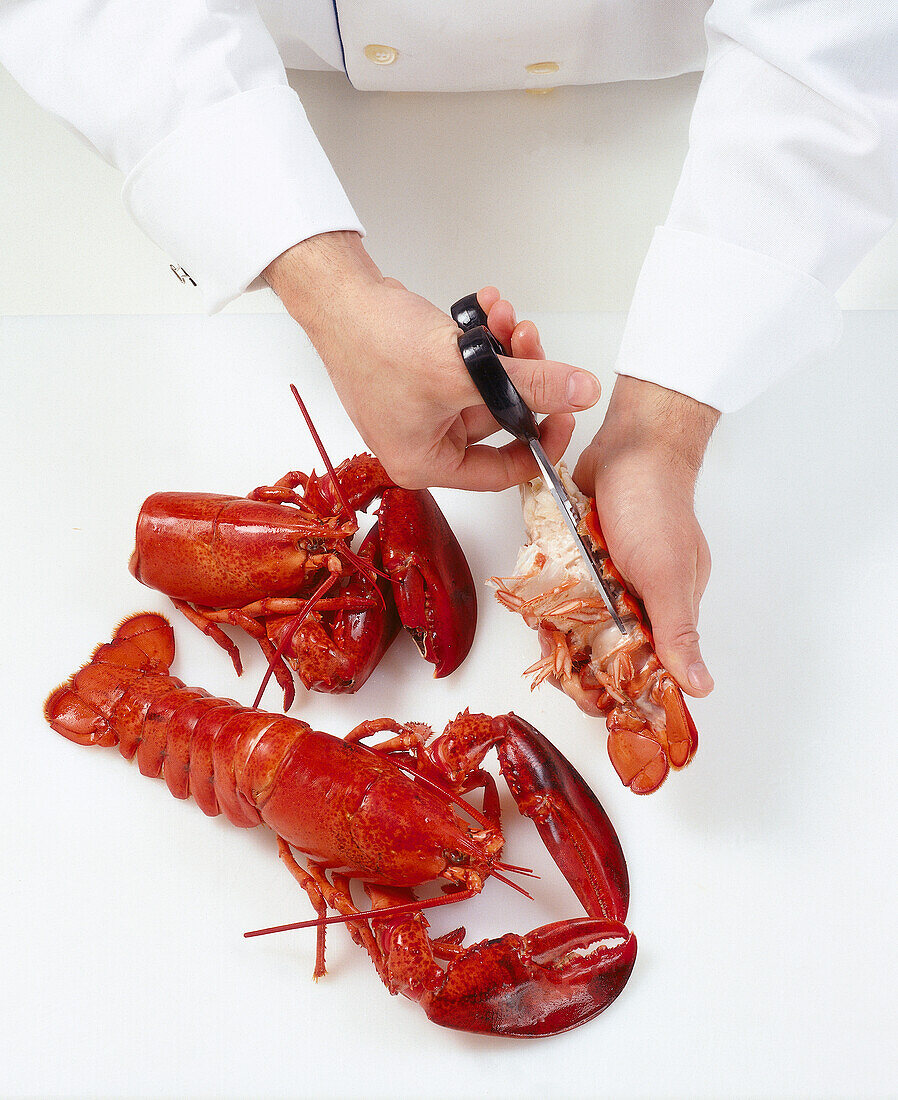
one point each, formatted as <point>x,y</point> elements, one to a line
<point>649,728</point>
<point>390,817</point>
<point>255,562</point>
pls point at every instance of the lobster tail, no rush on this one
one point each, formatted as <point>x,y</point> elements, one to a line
<point>79,709</point>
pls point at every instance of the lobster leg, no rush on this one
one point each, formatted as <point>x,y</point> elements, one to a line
<point>308,883</point>
<point>211,630</point>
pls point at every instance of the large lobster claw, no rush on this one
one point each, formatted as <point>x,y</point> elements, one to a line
<point>551,980</point>
<point>432,583</point>
<point>559,975</point>
<point>434,590</point>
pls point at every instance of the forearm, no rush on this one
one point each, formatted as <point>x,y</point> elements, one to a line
<point>317,276</point>
<point>675,428</point>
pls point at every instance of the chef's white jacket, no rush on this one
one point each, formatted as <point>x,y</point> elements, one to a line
<point>791,175</point>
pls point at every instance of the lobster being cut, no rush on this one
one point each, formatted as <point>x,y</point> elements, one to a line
<point>392,816</point>
<point>254,562</point>
<point>619,677</point>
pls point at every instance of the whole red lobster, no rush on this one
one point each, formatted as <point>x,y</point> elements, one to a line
<point>388,816</point>
<point>257,562</point>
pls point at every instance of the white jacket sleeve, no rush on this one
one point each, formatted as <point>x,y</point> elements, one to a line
<point>791,177</point>
<point>190,100</point>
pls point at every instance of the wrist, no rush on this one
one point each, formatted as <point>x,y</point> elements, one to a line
<point>314,277</point>
<point>647,417</point>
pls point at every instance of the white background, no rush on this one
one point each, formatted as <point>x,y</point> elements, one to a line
<point>553,198</point>
<point>763,876</point>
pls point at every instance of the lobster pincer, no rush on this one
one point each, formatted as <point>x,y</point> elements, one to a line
<point>557,976</point>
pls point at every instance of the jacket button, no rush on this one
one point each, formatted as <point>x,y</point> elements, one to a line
<point>542,68</point>
<point>381,55</point>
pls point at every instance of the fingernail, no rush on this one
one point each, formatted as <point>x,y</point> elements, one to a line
<point>700,677</point>
<point>582,390</point>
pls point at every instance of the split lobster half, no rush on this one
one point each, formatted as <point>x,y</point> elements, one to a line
<point>392,816</point>
<point>279,564</point>
<point>607,674</point>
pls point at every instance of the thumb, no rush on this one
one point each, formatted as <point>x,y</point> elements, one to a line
<point>671,610</point>
<point>551,387</point>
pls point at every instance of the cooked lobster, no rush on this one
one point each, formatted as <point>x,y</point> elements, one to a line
<point>650,729</point>
<point>256,562</point>
<point>392,816</point>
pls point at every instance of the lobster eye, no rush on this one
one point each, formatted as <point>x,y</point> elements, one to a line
<point>456,859</point>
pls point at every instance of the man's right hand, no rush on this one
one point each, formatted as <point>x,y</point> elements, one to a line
<point>393,359</point>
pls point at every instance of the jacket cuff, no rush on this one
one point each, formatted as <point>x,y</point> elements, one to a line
<point>235,185</point>
<point>721,323</point>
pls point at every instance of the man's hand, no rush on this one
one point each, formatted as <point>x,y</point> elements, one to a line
<point>394,361</point>
<point>641,467</point>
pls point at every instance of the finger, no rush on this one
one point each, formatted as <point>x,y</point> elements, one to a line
<point>585,472</point>
<point>547,386</point>
<point>525,341</point>
<point>555,430</point>
<point>702,572</point>
<point>671,607</point>
<point>479,423</point>
<point>501,320</point>
<point>492,469</point>
<point>487,298</point>
<point>521,337</point>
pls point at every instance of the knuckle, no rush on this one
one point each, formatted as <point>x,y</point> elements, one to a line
<point>684,636</point>
<point>406,474</point>
<point>541,391</point>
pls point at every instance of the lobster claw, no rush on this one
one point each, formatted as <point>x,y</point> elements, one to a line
<point>432,582</point>
<point>551,980</point>
<point>557,976</point>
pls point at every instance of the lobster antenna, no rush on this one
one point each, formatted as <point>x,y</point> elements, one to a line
<point>291,630</point>
<point>389,911</point>
<point>366,568</point>
<point>327,462</point>
<point>528,871</point>
<point>513,885</point>
<point>368,914</point>
<point>480,818</point>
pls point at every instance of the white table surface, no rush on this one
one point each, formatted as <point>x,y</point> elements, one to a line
<point>763,877</point>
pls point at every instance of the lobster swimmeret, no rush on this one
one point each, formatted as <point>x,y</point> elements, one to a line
<point>255,561</point>
<point>386,816</point>
<point>649,728</point>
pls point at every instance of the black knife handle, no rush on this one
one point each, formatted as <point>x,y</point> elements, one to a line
<point>480,350</point>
